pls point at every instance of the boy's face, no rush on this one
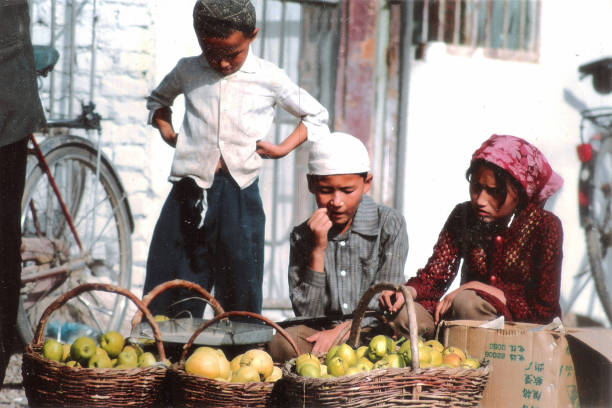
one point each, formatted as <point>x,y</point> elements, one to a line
<point>340,194</point>
<point>226,55</point>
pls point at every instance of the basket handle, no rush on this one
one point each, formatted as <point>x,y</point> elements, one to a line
<point>177,283</point>
<point>412,321</point>
<point>225,315</point>
<point>104,287</point>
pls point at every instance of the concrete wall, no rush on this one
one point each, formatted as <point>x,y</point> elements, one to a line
<point>456,102</point>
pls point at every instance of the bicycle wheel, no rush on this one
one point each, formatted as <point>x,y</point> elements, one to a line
<point>599,226</point>
<point>53,262</point>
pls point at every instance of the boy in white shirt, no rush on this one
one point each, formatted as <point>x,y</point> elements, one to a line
<point>211,228</point>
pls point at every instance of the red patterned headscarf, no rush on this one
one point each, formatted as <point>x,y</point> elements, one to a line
<point>524,162</point>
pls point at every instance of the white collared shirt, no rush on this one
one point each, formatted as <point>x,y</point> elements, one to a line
<point>227,115</point>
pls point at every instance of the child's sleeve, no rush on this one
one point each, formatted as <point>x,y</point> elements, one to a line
<point>394,249</point>
<point>306,287</point>
<point>301,104</point>
<point>165,93</point>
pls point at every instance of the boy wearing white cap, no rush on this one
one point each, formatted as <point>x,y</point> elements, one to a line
<point>348,244</point>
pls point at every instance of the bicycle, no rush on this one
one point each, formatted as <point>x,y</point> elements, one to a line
<point>76,223</point>
<point>595,181</point>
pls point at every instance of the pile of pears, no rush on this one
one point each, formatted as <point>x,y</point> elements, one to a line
<point>110,350</point>
<point>255,365</point>
<point>382,352</point>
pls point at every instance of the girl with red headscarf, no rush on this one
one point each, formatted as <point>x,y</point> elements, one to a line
<point>510,246</point>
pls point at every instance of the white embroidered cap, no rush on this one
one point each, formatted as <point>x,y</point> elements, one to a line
<point>338,153</point>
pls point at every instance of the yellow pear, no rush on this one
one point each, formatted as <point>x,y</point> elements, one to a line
<point>259,360</point>
<point>235,363</point>
<point>246,374</point>
<point>276,375</point>
<point>204,363</point>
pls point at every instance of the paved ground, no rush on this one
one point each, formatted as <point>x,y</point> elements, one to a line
<point>12,394</point>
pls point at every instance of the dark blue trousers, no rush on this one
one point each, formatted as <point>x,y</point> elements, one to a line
<point>226,252</point>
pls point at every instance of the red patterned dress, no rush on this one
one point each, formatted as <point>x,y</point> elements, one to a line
<point>523,260</point>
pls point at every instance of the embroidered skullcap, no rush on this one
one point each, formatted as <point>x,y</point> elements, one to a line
<point>524,162</point>
<point>338,153</point>
<point>235,12</point>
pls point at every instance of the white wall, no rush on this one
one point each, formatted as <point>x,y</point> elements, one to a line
<point>456,102</point>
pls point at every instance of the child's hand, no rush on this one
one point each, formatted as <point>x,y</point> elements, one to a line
<point>269,150</point>
<point>169,136</point>
<point>325,339</point>
<point>391,300</point>
<point>320,224</point>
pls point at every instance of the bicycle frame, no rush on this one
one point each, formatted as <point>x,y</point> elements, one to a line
<point>601,118</point>
<point>87,120</point>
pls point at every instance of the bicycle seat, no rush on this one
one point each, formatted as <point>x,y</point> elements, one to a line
<point>602,74</point>
<point>45,58</point>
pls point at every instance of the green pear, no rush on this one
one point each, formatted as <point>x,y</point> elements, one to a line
<point>146,359</point>
<point>127,358</point>
<point>112,342</point>
<point>53,350</point>
<point>83,349</point>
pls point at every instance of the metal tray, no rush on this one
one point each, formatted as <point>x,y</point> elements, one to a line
<point>222,333</point>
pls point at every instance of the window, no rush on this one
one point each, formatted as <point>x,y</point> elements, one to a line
<point>503,28</point>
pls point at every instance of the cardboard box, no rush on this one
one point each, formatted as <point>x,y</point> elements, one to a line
<point>591,350</point>
<point>531,367</point>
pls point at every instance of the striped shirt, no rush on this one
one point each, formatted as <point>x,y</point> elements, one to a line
<point>374,249</point>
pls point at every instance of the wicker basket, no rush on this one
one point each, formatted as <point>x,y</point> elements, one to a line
<point>387,387</point>
<point>48,383</point>
<point>177,283</point>
<point>190,390</point>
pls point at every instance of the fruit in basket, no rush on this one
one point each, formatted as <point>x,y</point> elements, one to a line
<point>361,351</point>
<point>306,358</point>
<point>346,353</point>
<point>99,361</point>
<point>259,360</point>
<point>127,358</point>
<point>454,350</point>
<point>435,344</point>
<point>82,349</point>
<point>276,375</point>
<point>112,342</point>
<point>377,348</point>
<point>395,360</point>
<point>210,363</point>
<point>73,363</point>
<point>246,374</point>
<point>53,350</point>
<point>235,363</point>
<point>66,354</point>
<point>133,347</point>
<point>146,359</point>
<point>309,370</point>
<point>323,370</point>
<point>452,359</point>
<point>331,353</point>
<point>364,364</point>
<point>337,366</point>
<point>424,353</point>
<point>436,358</point>
<point>470,363</point>
<point>352,370</point>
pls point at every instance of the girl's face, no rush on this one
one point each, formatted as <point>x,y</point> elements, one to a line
<point>486,197</point>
